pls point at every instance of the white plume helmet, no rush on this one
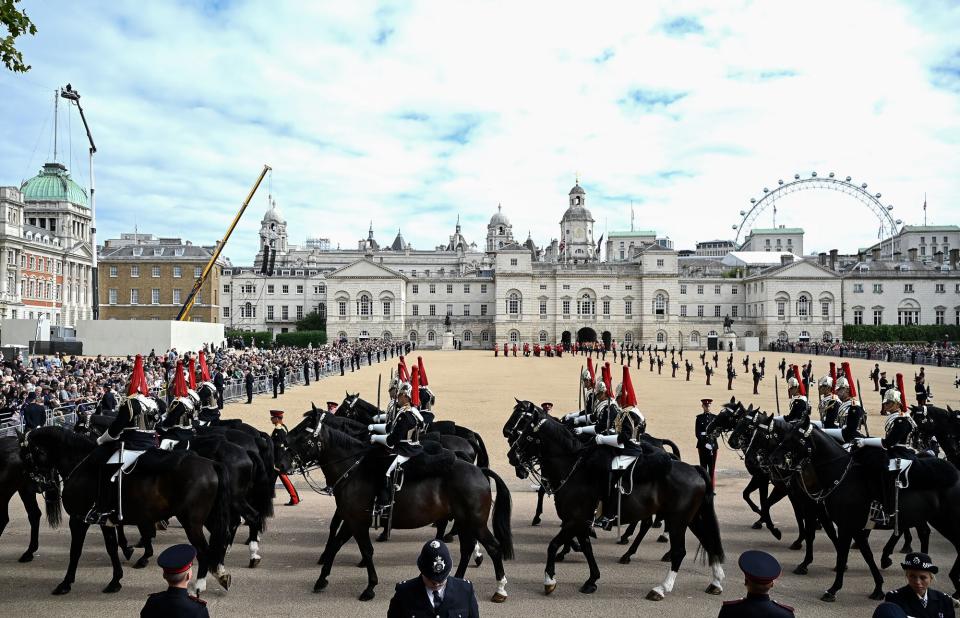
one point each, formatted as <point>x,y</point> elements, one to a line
<point>584,375</point>
<point>826,382</point>
<point>394,384</point>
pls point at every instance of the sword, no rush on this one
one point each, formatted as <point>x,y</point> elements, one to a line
<point>776,392</point>
<point>860,397</point>
<point>379,379</point>
<point>580,389</point>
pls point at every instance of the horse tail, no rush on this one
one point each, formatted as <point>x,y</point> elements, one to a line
<point>673,446</point>
<point>501,514</point>
<point>262,491</point>
<point>52,504</point>
<point>709,525</point>
<point>265,448</point>
<point>219,519</point>
<point>483,459</point>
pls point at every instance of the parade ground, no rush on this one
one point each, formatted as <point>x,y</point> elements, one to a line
<point>477,390</point>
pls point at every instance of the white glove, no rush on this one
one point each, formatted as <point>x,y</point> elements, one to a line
<point>377,439</point>
<point>577,431</point>
<point>589,430</point>
<point>607,440</point>
<point>571,416</point>
<point>581,420</point>
<point>874,442</point>
<point>104,438</point>
<point>709,447</point>
<point>379,418</point>
<point>378,428</point>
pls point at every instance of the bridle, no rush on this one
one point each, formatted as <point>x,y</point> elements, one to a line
<point>526,435</point>
<point>306,467</point>
<point>792,469</point>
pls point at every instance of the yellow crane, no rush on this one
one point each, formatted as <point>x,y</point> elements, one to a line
<point>185,310</point>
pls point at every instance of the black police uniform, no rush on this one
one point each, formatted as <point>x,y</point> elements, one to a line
<point>938,605</point>
<point>174,602</point>
<point>248,385</point>
<point>411,599</point>
<point>755,606</point>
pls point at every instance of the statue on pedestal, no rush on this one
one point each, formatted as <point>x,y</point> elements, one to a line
<point>446,322</point>
<point>727,324</point>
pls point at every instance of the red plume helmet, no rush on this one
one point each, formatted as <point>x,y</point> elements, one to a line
<point>849,376</point>
<point>402,370</point>
<point>833,377</point>
<point>422,373</point>
<point>802,386</point>
<point>415,390</point>
<point>593,375</point>
<point>628,396</point>
<point>192,366</point>
<point>138,382</point>
<point>179,384</point>
<point>608,378</point>
<point>903,393</point>
<point>204,370</point>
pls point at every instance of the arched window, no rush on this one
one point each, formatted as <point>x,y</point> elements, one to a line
<point>661,337</point>
<point>412,336</point>
<point>803,306</point>
<point>660,305</point>
<point>363,305</point>
<point>782,336</point>
<point>804,336</point>
<point>695,338</point>
<point>342,335</point>
<point>386,336</point>
<point>513,303</point>
<point>484,336</point>
<point>467,335</point>
<point>827,336</point>
<point>543,336</point>
<point>431,336</point>
<point>586,306</point>
<point>514,336</point>
<point>628,337</point>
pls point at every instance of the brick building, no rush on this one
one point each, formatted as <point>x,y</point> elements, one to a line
<point>143,277</point>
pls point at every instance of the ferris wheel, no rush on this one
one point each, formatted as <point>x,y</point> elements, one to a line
<point>888,225</point>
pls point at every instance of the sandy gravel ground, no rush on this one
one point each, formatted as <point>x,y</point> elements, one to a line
<point>477,390</point>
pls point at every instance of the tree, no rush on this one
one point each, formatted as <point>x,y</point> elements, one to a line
<point>312,321</point>
<point>17,24</point>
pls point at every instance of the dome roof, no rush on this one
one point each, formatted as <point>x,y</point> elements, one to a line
<point>53,184</point>
<point>577,213</point>
<point>577,189</point>
<point>499,218</point>
<point>273,214</point>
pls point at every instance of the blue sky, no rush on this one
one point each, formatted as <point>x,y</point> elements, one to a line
<point>412,113</point>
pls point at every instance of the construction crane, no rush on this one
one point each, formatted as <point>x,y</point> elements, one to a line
<point>185,310</point>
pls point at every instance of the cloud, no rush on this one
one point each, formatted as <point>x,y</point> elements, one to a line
<point>410,113</point>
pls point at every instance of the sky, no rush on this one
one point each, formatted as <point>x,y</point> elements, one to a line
<point>411,114</point>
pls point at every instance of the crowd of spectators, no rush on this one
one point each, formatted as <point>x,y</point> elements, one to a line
<point>939,355</point>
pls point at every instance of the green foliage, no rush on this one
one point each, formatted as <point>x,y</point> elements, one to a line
<point>928,333</point>
<point>302,338</point>
<point>262,339</point>
<point>16,24</point>
<point>312,321</point>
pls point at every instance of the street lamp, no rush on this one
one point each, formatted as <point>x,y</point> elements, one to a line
<point>73,96</point>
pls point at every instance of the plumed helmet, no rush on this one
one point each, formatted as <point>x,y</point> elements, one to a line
<point>800,383</point>
<point>842,383</point>
<point>600,388</point>
<point>849,376</point>
<point>903,403</point>
<point>394,384</point>
<point>585,376</point>
<point>826,382</point>
<point>892,395</point>
<point>792,382</point>
<point>405,388</point>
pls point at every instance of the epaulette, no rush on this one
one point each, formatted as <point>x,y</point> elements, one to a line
<point>783,605</point>
<point>196,599</point>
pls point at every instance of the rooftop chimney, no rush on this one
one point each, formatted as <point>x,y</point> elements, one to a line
<point>954,257</point>
<point>833,259</point>
<point>875,254</point>
<point>822,258</point>
<point>912,254</point>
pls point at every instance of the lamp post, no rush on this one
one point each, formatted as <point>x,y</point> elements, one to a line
<point>72,95</point>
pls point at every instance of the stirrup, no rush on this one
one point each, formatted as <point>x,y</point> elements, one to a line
<point>606,523</point>
<point>878,515</point>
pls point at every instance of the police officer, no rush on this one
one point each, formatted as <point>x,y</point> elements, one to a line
<point>760,570</point>
<point>706,445</point>
<point>248,384</point>
<point>434,593</point>
<point>176,563</point>
<point>917,598</point>
<point>218,384</point>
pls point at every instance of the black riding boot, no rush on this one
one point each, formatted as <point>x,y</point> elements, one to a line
<point>382,504</point>
<point>609,506</point>
<point>884,518</point>
<point>105,508</point>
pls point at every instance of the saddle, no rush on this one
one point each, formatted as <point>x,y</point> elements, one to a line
<point>435,461</point>
<point>929,473</point>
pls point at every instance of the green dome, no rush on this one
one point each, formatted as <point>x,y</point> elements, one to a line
<point>53,184</point>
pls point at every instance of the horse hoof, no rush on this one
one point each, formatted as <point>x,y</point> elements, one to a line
<point>663,539</point>
<point>561,557</point>
<point>112,587</point>
<point>63,588</point>
<point>800,570</point>
<point>127,552</point>
<point>653,595</point>
<point>797,545</point>
<point>477,562</point>
<point>498,598</point>
<point>163,524</point>
<point>141,563</point>
<point>623,540</point>
<point>448,538</point>
<point>885,562</point>
<point>535,522</point>
<point>776,533</point>
<point>367,595</point>
<point>906,549</point>
<point>320,585</point>
<point>588,588</point>
<point>829,597</point>
<point>714,589</point>
<point>624,559</point>
<point>254,563</point>
<point>26,557</point>
<point>548,589</point>
<point>757,525</point>
<point>665,557</point>
<point>224,580</point>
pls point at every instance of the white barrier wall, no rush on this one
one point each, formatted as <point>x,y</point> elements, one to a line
<point>22,332</point>
<point>123,337</point>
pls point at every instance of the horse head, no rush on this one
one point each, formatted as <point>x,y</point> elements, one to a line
<point>522,411</point>
<point>795,447</point>
<point>207,393</point>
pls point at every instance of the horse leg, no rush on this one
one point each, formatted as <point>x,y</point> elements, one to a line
<point>808,528</point>
<point>110,542</point>
<point>441,529</point>
<point>466,550</point>
<point>589,586</point>
<point>644,527</point>
<point>78,532</point>
<point>541,492</point>
<point>923,533</point>
<point>335,524</point>
<point>803,521</point>
<point>448,538</point>
<point>489,542</point>
<point>562,538</point>
<point>752,486</point>
<point>146,534</point>
<point>335,541</point>
<point>863,542</point>
<point>907,542</point>
<point>623,540</point>
<point>767,500</point>
<point>29,500</point>
<point>677,552</point>
<point>888,548</point>
<point>125,547</point>
<point>366,550</point>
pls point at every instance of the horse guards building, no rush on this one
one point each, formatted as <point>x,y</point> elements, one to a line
<point>642,290</point>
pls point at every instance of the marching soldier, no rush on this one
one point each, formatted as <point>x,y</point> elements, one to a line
<point>708,370</point>
<point>176,562</point>
<point>783,368</point>
<point>674,365</point>
<point>731,374</point>
<point>760,570</point>
<point>883,384</point>
<point>756,379</point>
<point>875,376</point>
<point>716,360</point>
<point>279,436</point>
<point>706,444</point>
<point>659,365</point>
<point>688,367</point>
<point>763,367</point>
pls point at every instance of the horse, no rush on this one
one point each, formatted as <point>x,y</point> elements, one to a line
<point>830,475</point>
<point>358,409</point>
<point>462,493</point>
<point>183,484</point>
<point>678,492</point>
<point>14,479</point>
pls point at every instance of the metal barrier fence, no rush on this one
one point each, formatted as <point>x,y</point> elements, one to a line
<point>880,356</point>
<point>61,416</point>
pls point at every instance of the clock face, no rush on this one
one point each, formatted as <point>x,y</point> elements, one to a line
<point>579,234</point>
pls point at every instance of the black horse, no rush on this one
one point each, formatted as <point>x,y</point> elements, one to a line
<point>462,493</point>
<point>831,475</point>
<point>14,479</point>
<point>678,493</point>
<point>184,485</point>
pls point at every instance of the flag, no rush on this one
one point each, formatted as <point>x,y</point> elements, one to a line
<point>599,243</point>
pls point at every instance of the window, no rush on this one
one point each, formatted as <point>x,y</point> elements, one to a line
<point>858,316</point>
<point>466,290</point>
<point>112,296</point>
<point>299,289</point>
<point>416,310</point>
<point>483,288</point>
<point>699,311</point>
<point>155,271</point>
<point>586,305</point>
<point>734,290</point>
<point>858,288</point>
<point>907,288</point>
<point>513,304</point>
<point>449,288</point>
<point>432,310</point>
<point>683,311</point>
<point>386,308</point>
<point>825,309</point>
<point>699,289</point>
<point>628,307</point>
<point>284,289</point>
<point>226,288</point>
<point>683,288</point>
<point>543,307</point>
<point>322,290</point>
<point>877,317</point>
<point>363,305</point>
<point>431,336</point>
<point>566,307</point>
<point>803,306</point>
<point>467,336</point>
<point>134,270</point>
<point>284,312</point>
<point>694,338</point>
<point>484,336</point>
<point>716,289</point>
<point>197,271</point>
<point>270,288</point>
<point>176,296</point>
<point>781,309</point>
<point>433,288</point>
<point>466,310</point>
<point>416,288</point>
<point>514,337</point>
<point>483,310</point>
<point>542,337</point>
<point>513,261</point>
<point>907,317</point>
<point>299,312</point>
<point>940,321</point>
<point>661,337</point>
<point>735,311</point>
<point>155,296</point>
<point>660,262</point>
<point>940,288</point>
<point>543,286</point>
<point>566,286</point>
<point>134,296</point>
<point>269,312</point>
<point>226,312</point>
<point>878,288</point>
<point>659,305</point>
<point>113,271</point>
<point>716,311</point>
<point>342,308</point>
<point>449,310</point>
<point>606,307</point>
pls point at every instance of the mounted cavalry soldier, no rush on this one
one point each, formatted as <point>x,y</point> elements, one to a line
<point>850,415</point>
<point>797,390</point>
<point>586,415</point>
<point>426,396</point>
<point>829,403</point>
<point>129,431</point>
<point>403,440</point>
<point>207,393</point>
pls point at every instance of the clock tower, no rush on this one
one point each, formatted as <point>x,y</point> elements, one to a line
<point>576,229</point>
